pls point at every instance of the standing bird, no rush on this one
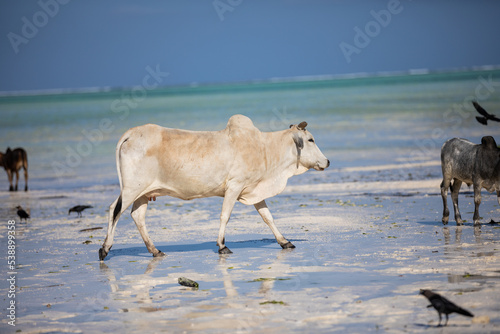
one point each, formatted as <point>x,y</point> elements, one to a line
<point>21,213</point>
<point>484,120</point>
<point>78,209</point>
<point>443,305</point>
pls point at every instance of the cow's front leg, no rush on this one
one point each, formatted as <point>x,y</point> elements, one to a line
<point>230,198</point>
<point>139,215</point>
<point>268,219</point>
<point>477,202</point>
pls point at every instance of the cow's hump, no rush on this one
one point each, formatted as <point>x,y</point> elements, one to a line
<point>241,130</point>
<point>248,151</point>
<point>239,121</point>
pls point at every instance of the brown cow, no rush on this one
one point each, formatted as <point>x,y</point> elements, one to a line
<point>12,161</point>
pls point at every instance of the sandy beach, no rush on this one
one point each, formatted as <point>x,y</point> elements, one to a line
<point>363,251</point>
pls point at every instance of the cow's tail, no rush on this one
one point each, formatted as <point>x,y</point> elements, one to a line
<point>118,158</point>
<point>118,206</point>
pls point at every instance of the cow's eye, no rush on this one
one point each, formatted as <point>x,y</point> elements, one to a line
<point>311,140</point>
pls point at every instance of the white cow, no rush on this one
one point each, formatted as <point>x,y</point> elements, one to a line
<point>239,163</point>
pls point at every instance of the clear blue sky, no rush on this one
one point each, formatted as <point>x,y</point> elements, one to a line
<point>110,43</point>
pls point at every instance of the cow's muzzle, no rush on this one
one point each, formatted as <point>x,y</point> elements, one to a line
<point>320,167</point>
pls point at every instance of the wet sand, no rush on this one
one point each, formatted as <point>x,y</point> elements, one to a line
<point>363,251</point>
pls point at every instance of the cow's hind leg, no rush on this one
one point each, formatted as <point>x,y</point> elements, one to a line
<point>17,179</point>
<point>112,220</point>
<point>444,194</point>
<point>25,178</point>
<point>139,216</point>
<point>115,211</point>
<point>9,175</point>
<point>477,202</point>
<point>454,196</point>
<point>268,219</point>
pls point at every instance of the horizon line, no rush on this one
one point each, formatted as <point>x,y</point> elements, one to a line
<point>271,80</point>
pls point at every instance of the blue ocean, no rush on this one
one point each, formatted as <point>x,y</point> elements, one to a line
<point>360,120</point>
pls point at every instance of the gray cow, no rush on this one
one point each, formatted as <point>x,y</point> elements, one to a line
<point>479,165</point>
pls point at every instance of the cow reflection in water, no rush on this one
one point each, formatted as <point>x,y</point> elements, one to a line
<point>127,290</point>
<point>458,235</point>
<point>134,288</point>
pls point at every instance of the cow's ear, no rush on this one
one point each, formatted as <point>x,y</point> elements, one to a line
<point>302,126</point>
<point>489,142</point>
<point>299,142</point>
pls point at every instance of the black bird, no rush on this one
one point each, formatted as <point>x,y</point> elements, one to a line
<point>484,120</point>
<point>78,209</point>
<point>443,305</point>
<point>21,213</point>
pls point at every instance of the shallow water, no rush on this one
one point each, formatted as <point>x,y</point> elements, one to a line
<point>356,122</point>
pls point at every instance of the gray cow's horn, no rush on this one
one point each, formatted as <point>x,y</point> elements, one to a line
<point>302,125</point>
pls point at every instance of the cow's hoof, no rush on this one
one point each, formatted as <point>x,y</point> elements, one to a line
<point>225,250</point>
<point>102,254</point>
<point>11,188</point>
<point>288,245</point>
<point>159,254</point>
